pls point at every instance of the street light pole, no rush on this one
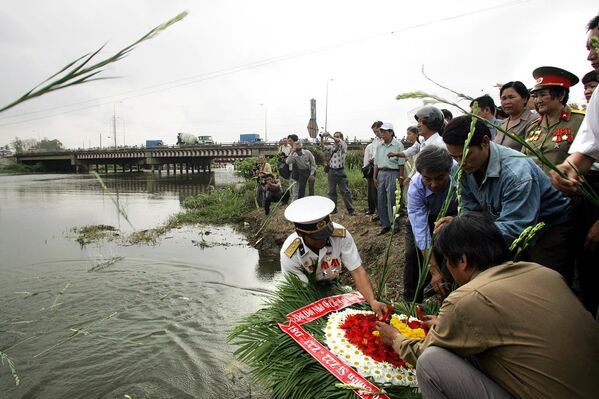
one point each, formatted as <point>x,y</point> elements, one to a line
<point>114,125</point>
<point>265,122</point>
<point>326,107</point>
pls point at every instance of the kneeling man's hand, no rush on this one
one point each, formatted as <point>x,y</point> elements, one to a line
<point>386,332</point>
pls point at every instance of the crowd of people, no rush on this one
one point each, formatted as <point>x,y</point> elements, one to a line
<point>510,328</point>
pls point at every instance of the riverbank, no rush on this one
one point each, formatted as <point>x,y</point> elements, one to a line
<point>11,168</point>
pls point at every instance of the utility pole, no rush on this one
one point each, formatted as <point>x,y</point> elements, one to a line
<point>326,107</point>
<point>114,125</point>
<point>265,122</point>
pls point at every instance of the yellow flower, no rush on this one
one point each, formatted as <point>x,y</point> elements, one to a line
<point>404,329</point>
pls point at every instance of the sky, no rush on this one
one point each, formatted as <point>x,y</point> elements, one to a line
<point>233,67</point>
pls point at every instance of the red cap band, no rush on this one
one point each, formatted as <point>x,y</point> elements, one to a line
<point>555,80</point>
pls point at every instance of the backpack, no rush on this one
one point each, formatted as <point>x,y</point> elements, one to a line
<point>284,171</point>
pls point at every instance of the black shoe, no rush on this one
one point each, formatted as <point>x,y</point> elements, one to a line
<point>334,211</point>
<point>368,212</point>
<point>351,213</point>
<point>384,231</point>
<point>374,217</point>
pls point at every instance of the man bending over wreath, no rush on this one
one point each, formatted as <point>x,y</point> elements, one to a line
<point>319,248</point>
<point>509,330</point>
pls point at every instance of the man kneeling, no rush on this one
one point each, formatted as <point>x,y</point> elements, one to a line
<point>319,248</point>
<point>509,330</point>
<point>272,192</point>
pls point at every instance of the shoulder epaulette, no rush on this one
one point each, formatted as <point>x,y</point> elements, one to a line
<point>295,244</point>
<point>338,232</point>
<point>579,111</point>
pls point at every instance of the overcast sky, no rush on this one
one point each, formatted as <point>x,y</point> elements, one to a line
<point>210,73</point>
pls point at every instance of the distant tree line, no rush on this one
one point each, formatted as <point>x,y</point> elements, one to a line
<point>24,145</point>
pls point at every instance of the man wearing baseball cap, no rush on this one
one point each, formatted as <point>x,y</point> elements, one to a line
<point>319,248</point>
<point>555,130</point>
<point>388,167</point>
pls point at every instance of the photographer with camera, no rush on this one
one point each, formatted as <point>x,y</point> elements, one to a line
<point>261,169</point>
<point>272,191</point>
<point>335,169</point>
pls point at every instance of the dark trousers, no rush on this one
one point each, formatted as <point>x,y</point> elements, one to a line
<point>337,177</point>
<point>587,260</point>
<point>414,261</point>
<point>554,248</point>
<point>372,202</point>
<point>302,181</point>
<point>274,197</point>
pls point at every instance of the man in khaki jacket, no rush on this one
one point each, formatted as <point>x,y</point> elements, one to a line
<point>509,330</point>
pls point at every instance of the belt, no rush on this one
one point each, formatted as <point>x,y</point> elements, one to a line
<point>388,170</point>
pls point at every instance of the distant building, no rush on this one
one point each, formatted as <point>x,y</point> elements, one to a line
<point>5,152</point>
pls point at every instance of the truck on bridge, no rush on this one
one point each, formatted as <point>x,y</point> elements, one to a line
<point>154,143</point>
<point>205,140</point>
<point>249,138</point>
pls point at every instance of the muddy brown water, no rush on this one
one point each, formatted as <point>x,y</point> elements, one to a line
<point>109,320</point>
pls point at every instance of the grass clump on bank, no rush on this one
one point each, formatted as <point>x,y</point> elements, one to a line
<point>220,205</point>
<point>17,168</point>
<point>92,233</point>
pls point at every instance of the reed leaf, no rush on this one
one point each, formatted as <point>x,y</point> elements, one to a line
<point>77,72</point>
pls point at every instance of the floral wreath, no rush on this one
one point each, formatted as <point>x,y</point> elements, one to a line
<point>350,335</point>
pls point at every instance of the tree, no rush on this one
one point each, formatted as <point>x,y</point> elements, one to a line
<point>48,145</point>
<point>20,146</point>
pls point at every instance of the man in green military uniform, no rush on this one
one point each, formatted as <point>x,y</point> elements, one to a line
<point>555,130</point>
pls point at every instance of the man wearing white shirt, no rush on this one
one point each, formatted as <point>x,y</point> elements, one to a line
<point>369,153</point>
<point>584,151</point>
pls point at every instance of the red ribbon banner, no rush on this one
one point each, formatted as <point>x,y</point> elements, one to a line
<point>324,306</point>
<point>328,360</point>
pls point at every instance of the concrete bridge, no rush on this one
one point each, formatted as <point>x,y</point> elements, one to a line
<point>186,158</point>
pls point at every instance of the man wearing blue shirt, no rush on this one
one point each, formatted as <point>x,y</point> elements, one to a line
<point>514,192</point>
<point>427,193</point>
<point>387,169</point>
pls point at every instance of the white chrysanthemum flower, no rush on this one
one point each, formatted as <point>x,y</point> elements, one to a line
<point>381,372</point>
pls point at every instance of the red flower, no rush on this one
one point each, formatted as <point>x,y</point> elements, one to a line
<point>358,331</point>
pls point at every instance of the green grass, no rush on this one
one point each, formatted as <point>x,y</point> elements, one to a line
<point>221,205</point>
<point>18,168</point>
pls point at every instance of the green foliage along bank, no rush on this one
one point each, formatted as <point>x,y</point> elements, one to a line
<point>16,168</point>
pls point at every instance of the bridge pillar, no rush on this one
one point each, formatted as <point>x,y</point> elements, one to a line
<point>180,168</point>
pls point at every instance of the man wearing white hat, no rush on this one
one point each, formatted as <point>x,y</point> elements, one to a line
<point>319,248</point>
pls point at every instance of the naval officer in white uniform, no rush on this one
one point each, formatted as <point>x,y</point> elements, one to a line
<point>319,248</point>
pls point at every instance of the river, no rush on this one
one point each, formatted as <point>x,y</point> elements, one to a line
<point>109,320</point>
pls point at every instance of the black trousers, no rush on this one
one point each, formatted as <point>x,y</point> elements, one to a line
<point>273,197</point>
<point>554,248</point>
<point>372,201</point>
<point>587,260</point>
<point>414,261</point>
